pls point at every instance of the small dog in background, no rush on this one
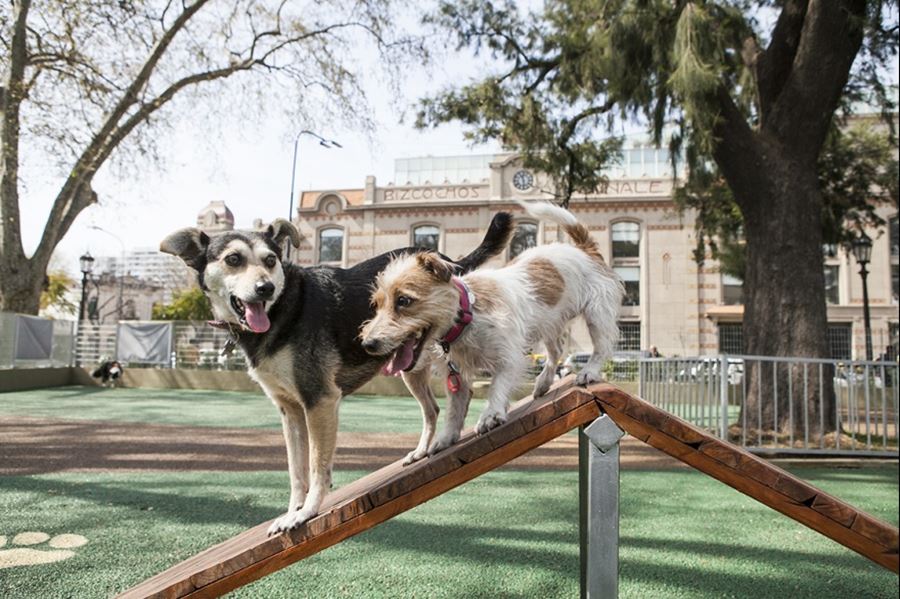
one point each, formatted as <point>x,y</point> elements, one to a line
<point>109,372</point>
<point>489,318</point>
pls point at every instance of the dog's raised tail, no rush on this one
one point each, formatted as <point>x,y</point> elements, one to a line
<point>498,235</point>
<point>580,235</point>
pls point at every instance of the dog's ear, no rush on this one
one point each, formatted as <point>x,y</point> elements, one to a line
<point>188,244</point>
<point>435,265</point>
<point>281,228</point>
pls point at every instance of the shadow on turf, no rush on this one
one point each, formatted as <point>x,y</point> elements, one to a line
<point>793,573</point>
<point>167,501</point>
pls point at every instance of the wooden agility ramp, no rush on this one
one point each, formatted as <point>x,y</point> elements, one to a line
<point>395,489</point>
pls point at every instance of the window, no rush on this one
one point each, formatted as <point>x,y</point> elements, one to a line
<point>524,237</point>
<point>832,292</point>
<point>840,341</point>
<point>631,276</point>
<point>426,236</point>
<point>331,246</point>
<point>626,239</point>
<point>629,336</point>
<point>732,290</point>
<point>731,338</point>
<point>626,251</point>
<point>895,259</point>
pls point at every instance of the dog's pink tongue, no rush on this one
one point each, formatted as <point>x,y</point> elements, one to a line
<point>401,360</point>
<point>256,317</point>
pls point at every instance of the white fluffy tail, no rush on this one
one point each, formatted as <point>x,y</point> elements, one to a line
<point>548,211</point>
<point>578,232</point>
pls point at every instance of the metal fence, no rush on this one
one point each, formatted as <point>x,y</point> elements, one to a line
<point>781,405</point>
<point>194,345</point>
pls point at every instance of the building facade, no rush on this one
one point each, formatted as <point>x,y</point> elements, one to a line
<point>142,277</point>
<point>446,203</point>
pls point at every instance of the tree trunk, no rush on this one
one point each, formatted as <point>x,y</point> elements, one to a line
<point>20,286</point>
<point>784,301</point>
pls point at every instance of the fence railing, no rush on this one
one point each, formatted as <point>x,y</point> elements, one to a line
<point>783,405</point>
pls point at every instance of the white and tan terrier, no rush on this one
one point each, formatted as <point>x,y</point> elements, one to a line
<point>529,301</point>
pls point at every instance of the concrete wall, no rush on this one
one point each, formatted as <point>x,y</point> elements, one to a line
<point>237,380</point>
<point>21,379</point>
<point>217,380</point>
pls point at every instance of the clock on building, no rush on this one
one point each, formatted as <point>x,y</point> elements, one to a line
<point>523,180</point>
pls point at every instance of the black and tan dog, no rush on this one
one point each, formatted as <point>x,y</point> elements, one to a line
<point>299,329</point>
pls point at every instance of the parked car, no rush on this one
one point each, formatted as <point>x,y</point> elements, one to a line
<point>706,368</point>
<point>574,363</point>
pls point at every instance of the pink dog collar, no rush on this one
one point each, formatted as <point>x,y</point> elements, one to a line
<point>463,315</point>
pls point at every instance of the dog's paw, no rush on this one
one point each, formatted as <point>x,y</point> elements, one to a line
<point>414,456</point>
<point>586,377</point>
<point>541,387</point>
<point>290,521</point>
<point>29,549</point>
<point>442,442</point>
<point>489,420</point>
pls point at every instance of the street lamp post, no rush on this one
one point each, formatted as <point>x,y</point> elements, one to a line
<point>121,269</point>
<point>862,251</point>
<point>86,262</point>
<point>325,143</point>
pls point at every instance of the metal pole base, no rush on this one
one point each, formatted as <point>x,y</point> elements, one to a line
<point>598,485</point>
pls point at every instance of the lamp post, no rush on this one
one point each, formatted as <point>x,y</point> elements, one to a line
<point>325,143</point>
<point>121,275</point>
<point>86,262</point>
<point>862,251</point>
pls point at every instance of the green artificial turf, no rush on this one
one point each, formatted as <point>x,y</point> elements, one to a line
<point>506,534</point>
<point>193,407</point>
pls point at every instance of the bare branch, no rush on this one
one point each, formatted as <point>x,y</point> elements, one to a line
<point>76,193</point>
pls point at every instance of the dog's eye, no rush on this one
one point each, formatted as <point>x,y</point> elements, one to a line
<point>233,259</point>
<point>270,261</point>
<point>404,301</point>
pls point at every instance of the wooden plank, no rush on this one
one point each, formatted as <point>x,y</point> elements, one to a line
<point>490,461</point>
<point>375,498</point>
<point>752,476</point>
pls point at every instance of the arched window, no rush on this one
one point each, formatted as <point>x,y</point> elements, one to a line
<point>426,236</point>
<point>626,239</point>
<point>626,253</point>
<point>524,237</point>
<point>331,245</point>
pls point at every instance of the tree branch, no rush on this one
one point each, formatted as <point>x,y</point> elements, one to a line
<point>736,149</point>
<point>76,194</point>
<point>831,38</point>
<point>774,64</point>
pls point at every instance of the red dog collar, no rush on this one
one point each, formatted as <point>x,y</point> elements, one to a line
<point>463,315</point>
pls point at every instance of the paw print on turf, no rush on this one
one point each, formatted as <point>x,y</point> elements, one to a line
<point>32,548</point>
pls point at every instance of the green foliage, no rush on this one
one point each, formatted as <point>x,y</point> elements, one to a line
<point>55,293</point>
<point>190,304</point>
<point>857,172</point>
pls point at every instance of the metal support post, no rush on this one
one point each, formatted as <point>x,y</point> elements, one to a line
<point>723,397</point>
<point>598,487</point>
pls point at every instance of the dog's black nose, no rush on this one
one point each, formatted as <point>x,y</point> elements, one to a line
<point>371,345</point>
<point>265,290</point>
